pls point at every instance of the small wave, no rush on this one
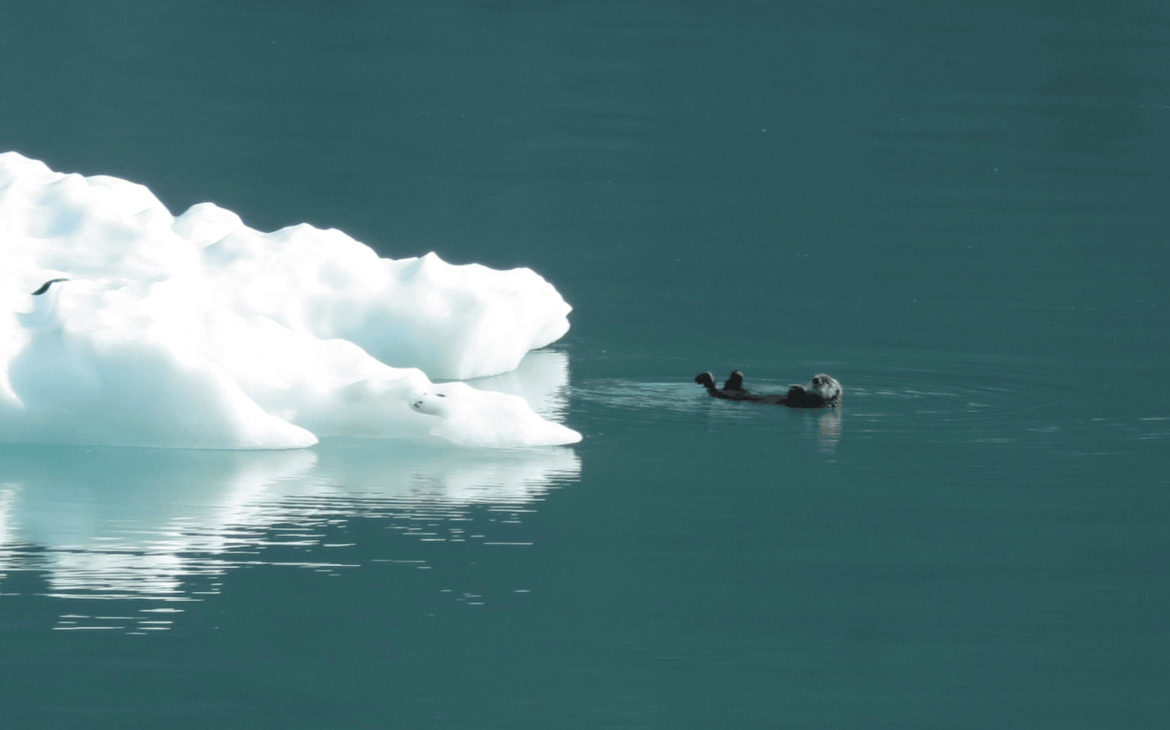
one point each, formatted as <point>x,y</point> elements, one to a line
<point>984,402</point>
<point>634,395</point>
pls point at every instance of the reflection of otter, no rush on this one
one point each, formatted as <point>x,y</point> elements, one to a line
<point>824,392</point>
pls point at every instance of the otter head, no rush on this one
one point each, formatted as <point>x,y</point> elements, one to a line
<point>826,386</point>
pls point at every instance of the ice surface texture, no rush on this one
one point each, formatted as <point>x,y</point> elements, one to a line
<point>198,332</point>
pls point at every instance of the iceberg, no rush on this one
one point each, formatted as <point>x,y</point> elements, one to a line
<point>197,331</point>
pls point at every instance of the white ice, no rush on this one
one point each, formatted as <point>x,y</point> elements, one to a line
<point>197,331</point>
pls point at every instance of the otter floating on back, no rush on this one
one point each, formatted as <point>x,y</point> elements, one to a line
<point>823,392</point>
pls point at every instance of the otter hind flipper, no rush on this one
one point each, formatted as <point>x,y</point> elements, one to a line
<point>735,382</point>
<point>707,380</point>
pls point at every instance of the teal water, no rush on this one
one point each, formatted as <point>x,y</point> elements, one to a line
<point>958,212</point>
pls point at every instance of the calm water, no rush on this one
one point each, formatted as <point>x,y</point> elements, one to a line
<point>960,213</point>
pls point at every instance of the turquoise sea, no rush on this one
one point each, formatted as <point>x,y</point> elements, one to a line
<point>958,210</point>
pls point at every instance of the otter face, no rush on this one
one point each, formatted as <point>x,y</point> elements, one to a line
<point>826,386</point>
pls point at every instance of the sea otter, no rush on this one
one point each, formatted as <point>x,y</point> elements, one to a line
<point>824,392</point>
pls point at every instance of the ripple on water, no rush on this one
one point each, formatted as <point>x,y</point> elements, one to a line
<point>996,402</point>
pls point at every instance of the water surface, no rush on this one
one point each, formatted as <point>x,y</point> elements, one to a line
<point>958,212</point>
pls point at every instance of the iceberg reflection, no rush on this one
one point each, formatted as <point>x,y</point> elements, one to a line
<point>542,379</point>
<point>118,523</point>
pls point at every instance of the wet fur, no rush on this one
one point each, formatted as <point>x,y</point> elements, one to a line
<point>823,392</point>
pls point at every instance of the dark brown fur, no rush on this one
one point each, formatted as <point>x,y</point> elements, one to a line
<point>824,392</point>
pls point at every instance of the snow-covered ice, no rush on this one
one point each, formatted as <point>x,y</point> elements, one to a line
<point>197,331</point>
